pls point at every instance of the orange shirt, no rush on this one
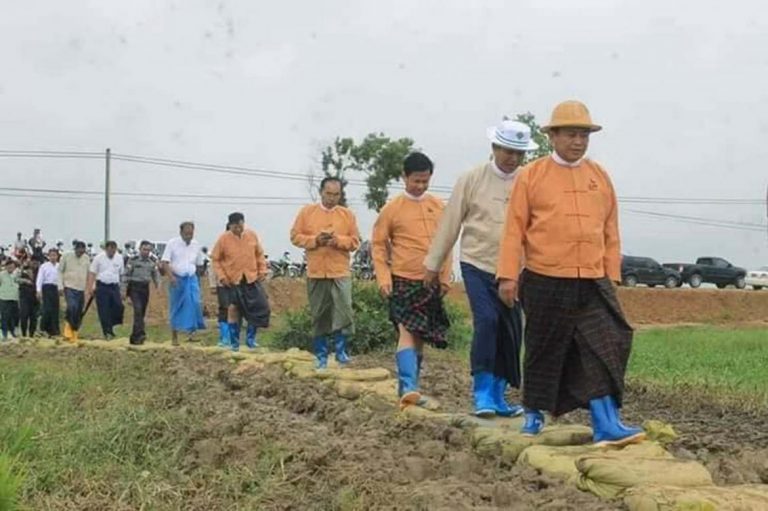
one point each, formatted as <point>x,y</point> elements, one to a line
<point>234,257</point>
<point>326,262</point>
<point>563,221</point>
<point>402,234</point>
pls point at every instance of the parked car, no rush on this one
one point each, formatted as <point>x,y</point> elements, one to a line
<point>713,270</point>
<point>758,278</point>
<point>644,270</point>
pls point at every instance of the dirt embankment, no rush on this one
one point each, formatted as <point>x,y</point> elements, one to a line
<point>331,453</point>
<point>643,306</point>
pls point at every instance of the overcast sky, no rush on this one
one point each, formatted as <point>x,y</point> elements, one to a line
<point>680,87</point>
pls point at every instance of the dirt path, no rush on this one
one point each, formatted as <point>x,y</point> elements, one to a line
<point>335,448</point>
<point>333,453</point>
<point>731,442</point>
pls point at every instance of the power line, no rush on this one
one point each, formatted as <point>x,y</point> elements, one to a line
<point>257,172</point>
<point>710,222</point>
<point>246,171</point>
<point>675,200</point>
<point>222,201</point>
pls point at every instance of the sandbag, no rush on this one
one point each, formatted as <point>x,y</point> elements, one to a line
<point>510,444</point>
<point>291,355</point>
<point>348,389</point>
<point>561,461</point>
<point>609,477</point>
<point>748,497</point>
<point>115,344</point>
<point>305,370</point>
<point>660,431</point>
<point>152,346</point>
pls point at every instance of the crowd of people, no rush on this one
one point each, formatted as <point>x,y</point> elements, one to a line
<point>540,241</point>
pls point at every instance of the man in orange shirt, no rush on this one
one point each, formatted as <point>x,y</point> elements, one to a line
<point>238,260</point>
<point>562,220</point>
<point>328,233</point>
<point>401,237</point>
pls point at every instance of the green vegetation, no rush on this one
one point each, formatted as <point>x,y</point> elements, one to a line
<point>726,363</point>
<point>102,431</point>
<point>377,156</point>
<point>373,330</point>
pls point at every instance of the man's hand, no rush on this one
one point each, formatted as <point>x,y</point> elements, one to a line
<point>385,290</point>
<point>39,297</point>
<point>333,241</point>
<point>508,292</point>
<point>444,288</point>
<point>323,239</point>
<point>88,294</point>
<point>431,278</point>
<point>261,277</point>
<point>172,278</point>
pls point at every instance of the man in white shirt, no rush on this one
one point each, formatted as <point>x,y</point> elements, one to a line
<point>476,210</point>
<point>47,286</point>
<point>180,262</point>
<point>104,275</point>
<point>73,269</point>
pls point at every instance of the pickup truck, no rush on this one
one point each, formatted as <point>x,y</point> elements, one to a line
<point>712,270</point>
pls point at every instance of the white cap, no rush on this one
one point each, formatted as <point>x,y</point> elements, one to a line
<point>512,135</point>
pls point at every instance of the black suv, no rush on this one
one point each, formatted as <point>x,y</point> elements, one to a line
<point>644,270</point>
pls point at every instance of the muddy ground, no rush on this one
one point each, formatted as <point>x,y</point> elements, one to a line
<point>335,454</point>
<point>731,442</point>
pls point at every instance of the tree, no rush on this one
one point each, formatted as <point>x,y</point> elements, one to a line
<point>377,156</point>
<point>541,138</point>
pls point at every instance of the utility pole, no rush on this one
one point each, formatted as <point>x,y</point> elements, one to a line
<point>107,162</point>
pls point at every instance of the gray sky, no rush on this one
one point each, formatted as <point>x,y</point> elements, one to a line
<point>680,87</point>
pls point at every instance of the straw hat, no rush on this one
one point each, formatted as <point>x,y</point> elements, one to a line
<point>512,135</point>
<point>571,114</point>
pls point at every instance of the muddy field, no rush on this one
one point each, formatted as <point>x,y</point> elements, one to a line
<point>336,454</point>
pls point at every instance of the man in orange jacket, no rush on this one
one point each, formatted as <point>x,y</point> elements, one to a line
<point>328,233</point>
<point>562,221</point>
<point>238,261</point>
<point>401,237</point>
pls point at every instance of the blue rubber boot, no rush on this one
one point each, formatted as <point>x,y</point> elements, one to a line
<point>250,337</point>
<point>320,345</point>
<point>534,422</point>
<point>407,377</point>
<point>613,412</point>
<point>605,426</point>
<point>223,334</point>
<point>341,349</point>
<point>502,407</point>
<point>234,336</point>
<point>483,393</point>
<point>419,361</point>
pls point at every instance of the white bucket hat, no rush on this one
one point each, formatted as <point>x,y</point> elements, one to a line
<point>512,135</point>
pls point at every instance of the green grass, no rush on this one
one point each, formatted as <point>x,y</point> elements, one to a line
<point>97,426</point>
<point>722,362</point>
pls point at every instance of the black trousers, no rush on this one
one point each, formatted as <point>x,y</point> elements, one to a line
<point>138,292</point>
<point>9,316</point>
<point>28,310</point>
<point>223,296</point>
<point>109,303</point>
<point>49,319</point>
